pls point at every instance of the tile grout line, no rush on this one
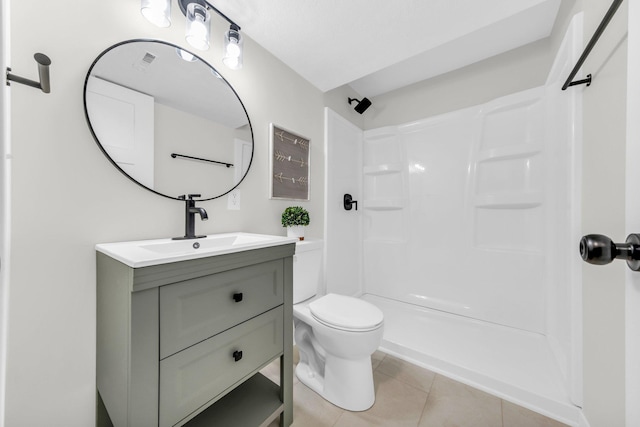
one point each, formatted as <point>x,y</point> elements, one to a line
<point>424,407</point>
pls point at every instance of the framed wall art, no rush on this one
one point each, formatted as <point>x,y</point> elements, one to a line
<point>290,155</point>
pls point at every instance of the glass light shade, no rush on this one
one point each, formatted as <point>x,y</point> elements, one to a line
<point>157,12</point>
<point>186,56</point>
<point>232,54</point>
<point>198,24</point>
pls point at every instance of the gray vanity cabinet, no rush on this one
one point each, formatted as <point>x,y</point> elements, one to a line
<point>183,343</point>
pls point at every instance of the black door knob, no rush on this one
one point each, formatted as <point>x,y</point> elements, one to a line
<point>600,250</point>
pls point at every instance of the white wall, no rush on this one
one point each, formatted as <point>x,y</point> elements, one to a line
<point>66,196</point>
<point>343,236</point>
<point>5,170</point>
<point>179,132</point>
<point>513,71</point>
<point>510,72</point>
<point>338,101</point>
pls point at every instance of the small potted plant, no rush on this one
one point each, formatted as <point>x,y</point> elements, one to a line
<point>295,218</point>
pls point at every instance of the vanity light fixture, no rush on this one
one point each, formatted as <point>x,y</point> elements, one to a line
<point>232,53</point>
<point>157,12</point>
<point>198,26</point>
<point>184,55</point>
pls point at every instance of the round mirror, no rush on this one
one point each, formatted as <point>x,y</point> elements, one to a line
<point>168,120</point>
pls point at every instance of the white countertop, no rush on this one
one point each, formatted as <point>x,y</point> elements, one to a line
<point>144,253</point>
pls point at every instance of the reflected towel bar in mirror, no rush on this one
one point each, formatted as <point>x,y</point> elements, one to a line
<point>174,155</point>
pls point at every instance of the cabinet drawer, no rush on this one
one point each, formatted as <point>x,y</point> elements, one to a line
<point>194,377</point>
<point>196,309</point>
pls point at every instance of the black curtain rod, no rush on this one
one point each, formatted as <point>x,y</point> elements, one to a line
<point>594,39</point>
<point>174,155</point>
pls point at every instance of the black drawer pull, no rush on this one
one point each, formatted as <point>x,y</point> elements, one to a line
<point>237,355</point>
<point>237,297</point>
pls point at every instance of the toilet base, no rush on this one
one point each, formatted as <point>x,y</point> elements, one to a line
<point>346,383</point>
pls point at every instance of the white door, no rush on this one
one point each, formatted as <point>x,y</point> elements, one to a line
<point>632,196</point>
<point>122,120</point>
<point>241,159</point>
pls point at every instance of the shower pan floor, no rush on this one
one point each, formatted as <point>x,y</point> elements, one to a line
<point>512,364</point>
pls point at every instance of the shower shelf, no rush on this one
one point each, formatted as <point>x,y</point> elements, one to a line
<point>509,201</point>
<point>509,152</point>
<point>384,241</point>
<point>383,169</point>
<point>384,134</point>
<point>384,205</point>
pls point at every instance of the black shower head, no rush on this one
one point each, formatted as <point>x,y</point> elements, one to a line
<point>362,105</point>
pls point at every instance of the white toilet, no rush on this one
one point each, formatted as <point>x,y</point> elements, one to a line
<point>335,335</point>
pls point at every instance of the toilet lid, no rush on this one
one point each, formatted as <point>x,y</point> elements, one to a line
<point>346,313</point>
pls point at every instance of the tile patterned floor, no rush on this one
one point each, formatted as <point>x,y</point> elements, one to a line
<point>407,395</point>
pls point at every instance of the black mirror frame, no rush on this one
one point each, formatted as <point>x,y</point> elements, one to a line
<point>97,141</point>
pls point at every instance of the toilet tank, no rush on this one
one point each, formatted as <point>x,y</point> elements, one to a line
<point>307,268</point>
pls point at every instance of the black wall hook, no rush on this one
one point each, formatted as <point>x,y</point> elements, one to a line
<point>43,71</point>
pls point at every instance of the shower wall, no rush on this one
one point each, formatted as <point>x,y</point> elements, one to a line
<point>469,212</point>
<point>342,230</point>
<point>456,212</point>
<point>475,213</point>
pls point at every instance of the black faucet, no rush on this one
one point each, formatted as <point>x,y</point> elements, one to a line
<point>190,217</point>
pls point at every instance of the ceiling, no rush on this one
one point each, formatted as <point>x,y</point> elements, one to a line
<point>376,46</point>
<point>155,69</point>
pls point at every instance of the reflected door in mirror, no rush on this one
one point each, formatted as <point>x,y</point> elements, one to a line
<point>124,119</point>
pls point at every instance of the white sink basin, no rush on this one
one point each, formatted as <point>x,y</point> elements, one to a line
<point>144,253</point>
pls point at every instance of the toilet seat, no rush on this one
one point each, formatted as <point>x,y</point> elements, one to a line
<point>346,313</point>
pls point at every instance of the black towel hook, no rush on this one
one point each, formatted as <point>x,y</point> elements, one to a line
<point>43,71</point>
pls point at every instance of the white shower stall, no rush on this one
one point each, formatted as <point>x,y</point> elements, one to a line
<point>466,237</point>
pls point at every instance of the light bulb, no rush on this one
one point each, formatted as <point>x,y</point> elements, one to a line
<point>158,12</point>
<point>231,62</point>
<point>198,23</point>
<point>232,48</point>
<point>187,56</point>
